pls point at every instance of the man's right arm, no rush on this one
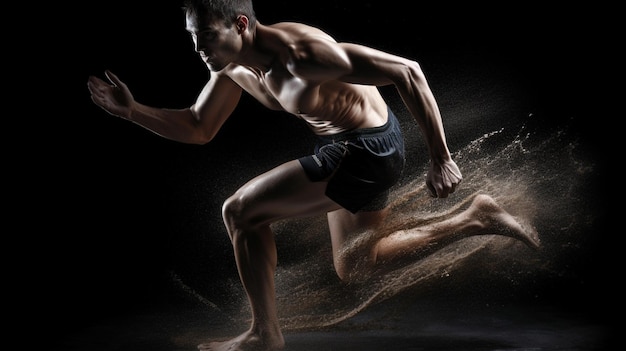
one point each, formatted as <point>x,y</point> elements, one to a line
<point>197,124</point>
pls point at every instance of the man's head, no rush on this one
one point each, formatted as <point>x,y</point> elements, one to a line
<point>225,10</point>
<point>218,28</point>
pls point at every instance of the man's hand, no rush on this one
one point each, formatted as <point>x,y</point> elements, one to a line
<point>442,178</point>
<point>116,99</point>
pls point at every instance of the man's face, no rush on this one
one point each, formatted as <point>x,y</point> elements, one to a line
<point>217,42</point>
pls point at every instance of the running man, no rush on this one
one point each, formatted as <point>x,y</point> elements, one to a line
<point>333,88</point>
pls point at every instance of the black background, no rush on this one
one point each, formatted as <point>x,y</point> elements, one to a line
<point>103,216</point>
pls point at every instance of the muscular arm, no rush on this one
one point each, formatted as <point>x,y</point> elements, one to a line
<point>362,65</point>
<point>370,66</point>
<point>197,124</point>
<point>319,59</point>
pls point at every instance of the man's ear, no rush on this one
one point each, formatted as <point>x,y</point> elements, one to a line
<point>242,23</point>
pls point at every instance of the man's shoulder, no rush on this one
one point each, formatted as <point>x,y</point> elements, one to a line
<point>298,31</point>
<point>291,26</point>
<point>234,70</point>
<point>244,76</point>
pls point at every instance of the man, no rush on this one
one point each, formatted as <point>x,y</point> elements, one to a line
<point>332,87</point>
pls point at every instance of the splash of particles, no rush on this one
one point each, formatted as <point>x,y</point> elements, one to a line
<point>523,173</point>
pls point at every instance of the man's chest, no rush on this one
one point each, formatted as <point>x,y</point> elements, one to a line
<point>279,87</point>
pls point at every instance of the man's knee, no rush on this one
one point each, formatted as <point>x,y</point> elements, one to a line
<point>350,269</point>
<point>236,214</point>
<point>342,271</point>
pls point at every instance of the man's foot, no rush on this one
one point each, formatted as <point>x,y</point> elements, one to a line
<point>248,341</point>
<point>497,221</point>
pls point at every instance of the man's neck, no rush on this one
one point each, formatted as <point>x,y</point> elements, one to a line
<point>262,47</point>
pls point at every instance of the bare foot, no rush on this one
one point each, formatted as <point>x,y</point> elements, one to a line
<point>248,341</point>
<point>497,221</point>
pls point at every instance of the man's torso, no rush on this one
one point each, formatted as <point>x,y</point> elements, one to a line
<point>328,107</point>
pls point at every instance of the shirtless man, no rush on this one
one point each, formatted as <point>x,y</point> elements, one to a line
<point>332,87</point>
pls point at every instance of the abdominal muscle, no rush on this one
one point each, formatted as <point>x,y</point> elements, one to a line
<point>340,108</point>
<point>330,108</point>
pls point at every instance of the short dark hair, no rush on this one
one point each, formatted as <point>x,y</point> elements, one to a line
<point>226,10</point>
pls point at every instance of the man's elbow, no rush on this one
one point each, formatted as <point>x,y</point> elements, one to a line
<point>199,137</point>
<point>199,134</point>
<point>414,71</point>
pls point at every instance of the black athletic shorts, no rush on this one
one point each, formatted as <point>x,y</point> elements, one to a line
<point>360,165</point>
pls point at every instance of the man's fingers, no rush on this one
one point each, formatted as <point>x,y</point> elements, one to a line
<point>113,78</point>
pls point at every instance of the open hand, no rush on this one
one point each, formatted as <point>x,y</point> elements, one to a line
<point>114,98</point>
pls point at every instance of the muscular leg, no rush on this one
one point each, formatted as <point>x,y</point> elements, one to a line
<point>482,217</point>
<point>283,192</point>
<point>286,192</point>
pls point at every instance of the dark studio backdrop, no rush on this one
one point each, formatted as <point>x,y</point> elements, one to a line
<point>129,208</point>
